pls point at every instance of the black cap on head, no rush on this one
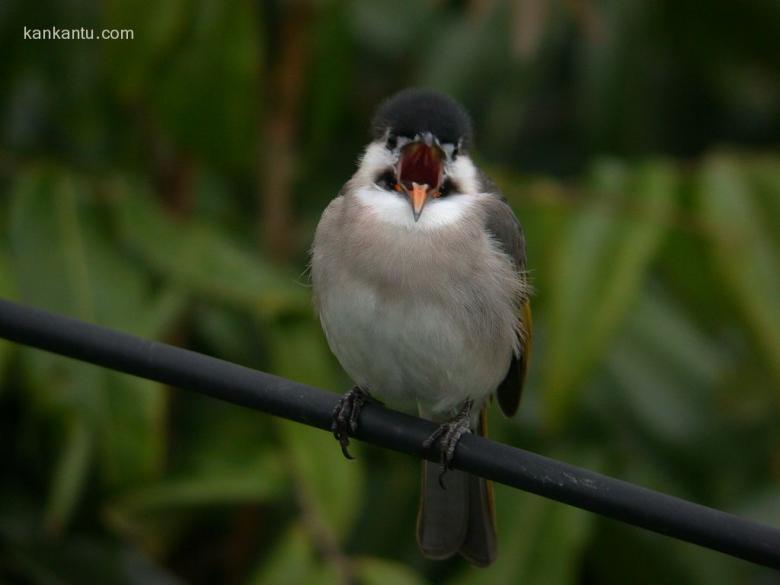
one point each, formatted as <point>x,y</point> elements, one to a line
<point>412,111</point>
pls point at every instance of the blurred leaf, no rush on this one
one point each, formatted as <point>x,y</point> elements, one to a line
<point>238,449</point>
<point>743,246</point>
<point>529,21</point>
<point>331,74</point>
<point>290,562</point>
<point>765,177</point>
<point>259,480</point>
<point>666,372</point>
<point>229,334</point>
<point>630,555</point>
<point>328,486</point>
<point>762,506</point>
<point>298,350</point>
<point>694,283</point>
<point>69,476</point>
<point>81,559</point>
<point>466,54</point>
<point>598,271</point>
<point>131,431</point>
<point>206,97</point>
<point>619,89</point>
<point>139,569</point>
<point>381,27</point>
<point>134,65</point>
<point>195,66</point>
<point>49,256</point>
<point>224,458</point>
<point>6,292</point>
<point>707,567</point>
<point>66,264</point>
<point>374,571</point>
<point>47,243</point>
<point>293,561</point>
<point>196,257</point>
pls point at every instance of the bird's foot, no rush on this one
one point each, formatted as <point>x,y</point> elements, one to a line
<point>448,436</point>
<point>345,416</point>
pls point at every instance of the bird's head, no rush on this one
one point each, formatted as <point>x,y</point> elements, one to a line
<point>419,150</point>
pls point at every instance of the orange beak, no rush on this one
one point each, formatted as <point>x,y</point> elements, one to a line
<point>418,195</point>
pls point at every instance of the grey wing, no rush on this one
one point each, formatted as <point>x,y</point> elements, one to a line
<point>502,224</point>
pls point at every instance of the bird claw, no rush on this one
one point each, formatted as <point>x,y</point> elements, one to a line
<point>448,435</point>
<point>345,417</point>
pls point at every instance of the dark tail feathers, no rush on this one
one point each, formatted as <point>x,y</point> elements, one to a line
<point>458,519</point>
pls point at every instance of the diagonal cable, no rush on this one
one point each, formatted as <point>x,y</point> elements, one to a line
<point>521,469</point>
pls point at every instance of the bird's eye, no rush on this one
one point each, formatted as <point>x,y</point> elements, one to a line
<point>447,187</point>
<point>386,180</point>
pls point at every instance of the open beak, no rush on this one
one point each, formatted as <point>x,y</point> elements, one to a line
<point>420,173</point>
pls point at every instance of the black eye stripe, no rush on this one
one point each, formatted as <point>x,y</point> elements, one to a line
<point>386,180</point>
<point>448,187</point>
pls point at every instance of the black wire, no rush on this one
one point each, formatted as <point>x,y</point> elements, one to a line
<point>534,473</point>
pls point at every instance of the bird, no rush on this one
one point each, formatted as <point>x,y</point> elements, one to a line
<point>419,279</point>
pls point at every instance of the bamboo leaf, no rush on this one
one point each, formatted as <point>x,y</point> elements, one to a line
<point>667,370</point>
<point>132,66</point>
<point>375,571</point>
<point>328,487</point>
<point>234,464</point>
<point>206,99</point>
<point>333,498</point>
<point>293,561</point>
<point>49,257</point>
<point>69,476</point>
<point>65,262</point>
<point>597,273</point>
<point>195,257</point>
<point>743,247</point>
<point>255,481</point>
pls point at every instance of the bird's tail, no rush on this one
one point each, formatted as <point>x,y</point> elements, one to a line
<point>459,518</point>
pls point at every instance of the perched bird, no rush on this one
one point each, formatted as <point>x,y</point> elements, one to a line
<point>419,276</point>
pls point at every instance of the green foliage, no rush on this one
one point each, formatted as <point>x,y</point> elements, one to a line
<point>741,228</point>
<point>633,139</point>
<point>598,268</point>
<point>195,257</point>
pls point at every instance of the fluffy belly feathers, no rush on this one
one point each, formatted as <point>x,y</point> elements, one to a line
<point>410,351</point>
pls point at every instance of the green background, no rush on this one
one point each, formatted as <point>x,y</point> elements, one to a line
<point>169,186</point>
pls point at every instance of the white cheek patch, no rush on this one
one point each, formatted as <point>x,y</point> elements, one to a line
<point>375,160</point>
<point>394,209</point>
<point>464,173</point>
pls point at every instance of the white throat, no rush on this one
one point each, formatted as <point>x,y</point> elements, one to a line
<point>394,209</point>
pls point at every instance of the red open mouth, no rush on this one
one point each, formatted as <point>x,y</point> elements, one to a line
<point>421,164</point>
